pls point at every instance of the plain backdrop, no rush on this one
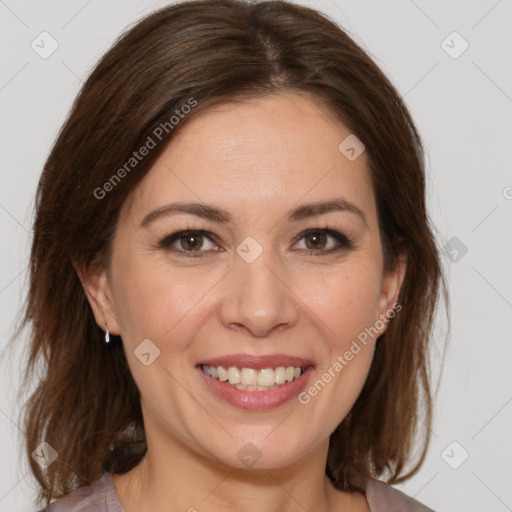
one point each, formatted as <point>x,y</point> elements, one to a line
<point>451,61</point>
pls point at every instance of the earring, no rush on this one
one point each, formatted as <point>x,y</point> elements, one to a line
<point>107,336</point>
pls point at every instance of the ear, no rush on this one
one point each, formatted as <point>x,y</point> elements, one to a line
<point>97,290</point>
<point>391,286</point>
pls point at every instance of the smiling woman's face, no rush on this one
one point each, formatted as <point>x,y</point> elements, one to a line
<point>250,283</point>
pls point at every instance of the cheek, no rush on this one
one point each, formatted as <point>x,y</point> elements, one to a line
<point>160,304</point>
<point>346,305</point>
<point>156,301</point>
<point>346,299</point>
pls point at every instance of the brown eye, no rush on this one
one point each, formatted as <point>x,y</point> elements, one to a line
<point>192,241</point>
<point>317,241</point>
<point>187,242</point>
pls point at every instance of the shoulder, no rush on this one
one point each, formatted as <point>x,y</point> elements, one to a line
<point>99,496</point>
<point>382,497</point>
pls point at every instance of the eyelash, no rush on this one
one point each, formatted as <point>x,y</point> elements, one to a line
<point>344,241</point>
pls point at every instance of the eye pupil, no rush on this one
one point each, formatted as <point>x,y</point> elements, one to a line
<point>319,237</point>
<point>196,241</point>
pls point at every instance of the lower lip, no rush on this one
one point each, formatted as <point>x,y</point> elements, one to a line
<point>256,399</point>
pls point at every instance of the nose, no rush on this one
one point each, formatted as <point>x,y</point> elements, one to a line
<point>257,297</point>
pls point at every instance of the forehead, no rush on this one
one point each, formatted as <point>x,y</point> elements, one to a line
<point>256,157</point>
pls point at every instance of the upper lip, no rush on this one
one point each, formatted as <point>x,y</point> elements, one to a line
<point>257,362</point>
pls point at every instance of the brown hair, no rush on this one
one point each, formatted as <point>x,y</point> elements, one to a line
<point>86,403</point>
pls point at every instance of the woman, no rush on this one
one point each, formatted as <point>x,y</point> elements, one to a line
<point>233,276</point>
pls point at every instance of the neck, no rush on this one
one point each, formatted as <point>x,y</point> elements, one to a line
<point>176,478</point>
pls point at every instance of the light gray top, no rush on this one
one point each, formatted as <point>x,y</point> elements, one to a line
<point>101,497</point>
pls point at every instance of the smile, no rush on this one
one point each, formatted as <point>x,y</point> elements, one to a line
<point>255,382</point>
<point>250,379</point>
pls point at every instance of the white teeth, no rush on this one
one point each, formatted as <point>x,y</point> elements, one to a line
<point>266,377</point>
<point>249,379</point>
<point>234,375</point>
<point>281,374</point>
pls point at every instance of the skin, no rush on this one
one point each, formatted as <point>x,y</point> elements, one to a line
<point>270,155</point>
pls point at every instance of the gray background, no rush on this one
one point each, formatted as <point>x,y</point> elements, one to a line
<point>463,108</point>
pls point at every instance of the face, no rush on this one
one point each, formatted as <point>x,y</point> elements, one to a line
<point>254,279</point>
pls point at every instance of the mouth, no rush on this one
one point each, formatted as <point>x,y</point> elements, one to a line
<point>251,382</point>
<point>250,379</point>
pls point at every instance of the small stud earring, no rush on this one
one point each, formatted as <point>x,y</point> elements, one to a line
<point>107,336</point>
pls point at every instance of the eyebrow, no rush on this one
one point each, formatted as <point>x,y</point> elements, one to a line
<point>220,216</point>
